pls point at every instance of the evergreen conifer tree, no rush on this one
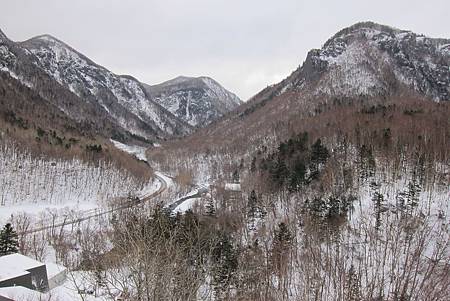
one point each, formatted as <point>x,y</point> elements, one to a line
<point>236,176</point>
<point>252,204</point>
<point>283,235</point>
<point>280,172</point>
<point>366,162</point>
<point>210,208</point>
<point>280,259</point>
<point>319,153</point>
<point>297,175</point>
<point>413,193</point>
<point>8,240</point>
<point>225,260</point>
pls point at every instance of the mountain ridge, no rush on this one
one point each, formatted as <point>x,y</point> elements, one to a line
<point>116,93</point>
<point>415,60</point>
<point>196,100</point>
<point>359,68</point>
<point>318,61</point>
<point>121,97</point>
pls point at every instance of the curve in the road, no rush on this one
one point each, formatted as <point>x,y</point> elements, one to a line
<point>161,189</point>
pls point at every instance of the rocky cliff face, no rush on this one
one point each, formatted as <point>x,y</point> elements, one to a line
<point>368,59</point>
<point>197,101</point>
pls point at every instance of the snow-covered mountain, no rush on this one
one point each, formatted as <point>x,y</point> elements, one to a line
<point>121,97</point>
<point>134,109</point>
<point>29,94</point>
<point>369,59</point>
<point>364,65</point>
<point>197,101</point>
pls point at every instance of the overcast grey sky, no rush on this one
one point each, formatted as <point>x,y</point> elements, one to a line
<point>244,44</point>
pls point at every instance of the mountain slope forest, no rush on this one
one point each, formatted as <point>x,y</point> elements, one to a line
<point>61,113</point>
<point>51,94</point>
<point>344,169</point>
<point>332,184</point>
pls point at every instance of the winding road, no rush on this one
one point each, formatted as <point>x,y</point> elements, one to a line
<point>129,204</point>
<point>97,213</point>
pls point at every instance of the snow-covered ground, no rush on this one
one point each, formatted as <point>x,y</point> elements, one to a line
<point>135,150</point>
<point>150,188</point>
<point>69,291</point>
<point>69,233</point>
<point>39,209</point>
<point>186,205</point>
<point>387,244</point>
<point>33,185</point>
<point>168,180</point>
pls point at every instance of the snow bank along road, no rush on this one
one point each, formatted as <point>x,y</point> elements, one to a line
<point>97,213</point>
<point>199,191</point>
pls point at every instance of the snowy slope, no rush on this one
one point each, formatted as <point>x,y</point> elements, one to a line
<point>135,150</point>
<point>26,85</point>
<point>11,58</point>
<point>197,101</point>
<point>121,97</point>
<point>35,186</point>
<point>85,91</point>
<point>369,59</point>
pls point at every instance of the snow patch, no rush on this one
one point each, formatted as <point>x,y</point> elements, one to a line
<point>135,150</point>
<point>186,205</point>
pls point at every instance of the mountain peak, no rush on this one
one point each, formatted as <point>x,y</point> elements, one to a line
<point>120,97</point>
<point>181,79</point>
<point>368,59</point>
<point>47,37</point>
<point>196,100</point>
<point>46,40</point>
<point>368,25</point>
<point>366,31</point>
<point>177,80</point>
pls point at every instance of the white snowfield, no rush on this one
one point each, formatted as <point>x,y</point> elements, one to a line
<point>233,187</point>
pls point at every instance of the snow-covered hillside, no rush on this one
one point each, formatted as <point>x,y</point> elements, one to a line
<point>369,59</point>
<point>197,101</point>
<point>34,186</point>
<point>393,234</point>
<point>122,97</point>
<point>115,106</point>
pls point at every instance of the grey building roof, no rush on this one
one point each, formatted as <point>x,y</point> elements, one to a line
<point>16,265</point>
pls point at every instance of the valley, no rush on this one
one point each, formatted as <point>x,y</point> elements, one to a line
<point>332,184</point>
